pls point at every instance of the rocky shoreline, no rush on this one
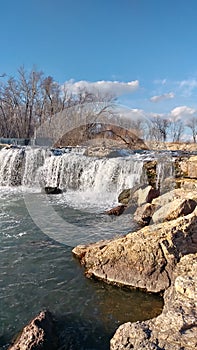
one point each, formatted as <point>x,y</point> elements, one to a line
<point>176,327</point>
<point>160,257</point>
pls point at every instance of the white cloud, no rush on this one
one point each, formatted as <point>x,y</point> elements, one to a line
<point>162,97</point>
<point>182,112</point>
<point>190,83</point>
<point>160,81</point>
<point>115,88</point>
<point>156,115</point>
<point>187,86</point>
<point>132,113</point>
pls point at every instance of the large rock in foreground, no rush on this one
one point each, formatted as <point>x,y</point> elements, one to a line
<point>143,259</point>
<point>176,327</point>
<point>38,334</point>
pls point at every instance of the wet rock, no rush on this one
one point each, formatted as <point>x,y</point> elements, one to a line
<point>152,194</point>
<point>138,195</point>
<point>116,211</point>
<point>150,168</point>
<point>186,167</point>
<point>173,210</point>
<point>4,145</point>
<point>146,195</point>
<point>38,334</point>
<point>138,198</point>
<point>125,196</point>
<point>97,151</point>
<point>176,327</point>
<point>52,190</point>
<point>143,214</point>
<point>144,259</point>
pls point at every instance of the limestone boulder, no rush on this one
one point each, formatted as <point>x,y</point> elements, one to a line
<point>143,214</point>
<point>144,259</point>
<point>170,196</point>
<point>189,192</point>
<point>186,167</point>
<point>187,184</point>
<point>192,167</point>
<point>146,195</point>
<point>176,327</point>
<point>173,210</point>
<point>138,195</point>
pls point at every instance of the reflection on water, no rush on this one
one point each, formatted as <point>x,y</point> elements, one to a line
<point>37,272</point>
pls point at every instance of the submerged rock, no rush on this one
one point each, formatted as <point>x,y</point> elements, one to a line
<point>52,190</point>
<point>38,334</point>
<point>150,168</point>
<point>125,196</point>
<point>176,327</point>
<point>116,211</point>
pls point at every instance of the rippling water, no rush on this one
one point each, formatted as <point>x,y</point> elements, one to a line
<point>38,270</point>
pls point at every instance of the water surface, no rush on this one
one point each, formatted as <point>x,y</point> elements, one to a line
<point>38,271</point>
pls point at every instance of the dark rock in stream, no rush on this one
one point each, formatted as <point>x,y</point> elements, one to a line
<point>52,190</point>
<point>116,211</point>
<point>38,334</point>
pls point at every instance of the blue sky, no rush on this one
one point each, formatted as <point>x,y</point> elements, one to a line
<point>152,43</point>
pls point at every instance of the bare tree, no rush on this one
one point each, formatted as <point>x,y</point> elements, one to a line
<point>176,129</point>
<point>29,85</point>
<point>158,128</point>
<point>9,104</point>
<point>138,127</point>
<point>27,101</point>
<point>192,124</point>
<point>31,100</point>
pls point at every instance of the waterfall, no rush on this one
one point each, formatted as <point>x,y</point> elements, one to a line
<point>165,170</point>
<point>78,172</point>
<point>33,160</point>
<point>69,171</point>
<point>10,167</point>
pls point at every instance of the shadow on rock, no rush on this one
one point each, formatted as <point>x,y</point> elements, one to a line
<point>66,332</point>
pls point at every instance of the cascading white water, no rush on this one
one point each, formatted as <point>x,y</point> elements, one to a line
<point>85,181</point>
<point>33,160</point>
<point>78,172</point>
<point>165,169</point>
<point>72,171</point>
<point>10,167</point>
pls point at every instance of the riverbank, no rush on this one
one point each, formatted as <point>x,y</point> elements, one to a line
<point>146,259</point>
<point>159,258</point>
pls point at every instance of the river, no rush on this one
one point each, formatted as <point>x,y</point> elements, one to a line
<point>38,231</point>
